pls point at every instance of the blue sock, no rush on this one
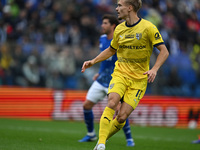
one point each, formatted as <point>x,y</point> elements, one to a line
<point>89,118</point>
<point>127,130</point>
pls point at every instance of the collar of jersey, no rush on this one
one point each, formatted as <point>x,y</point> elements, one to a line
<point>133,24</point>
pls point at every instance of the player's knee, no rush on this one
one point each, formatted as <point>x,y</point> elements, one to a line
<point>112,105</point>
<point>112,102</point>
<point>121,118</point>
<point>87,105</point>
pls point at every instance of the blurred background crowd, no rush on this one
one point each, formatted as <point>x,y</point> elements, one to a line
<point>43,43</point>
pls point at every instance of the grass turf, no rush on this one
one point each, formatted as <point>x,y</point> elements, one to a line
<point>64,135</point>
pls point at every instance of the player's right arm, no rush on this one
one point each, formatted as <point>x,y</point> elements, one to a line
<point>101,57</point>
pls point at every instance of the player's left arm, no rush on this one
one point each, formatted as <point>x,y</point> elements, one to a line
<point>159,61</point>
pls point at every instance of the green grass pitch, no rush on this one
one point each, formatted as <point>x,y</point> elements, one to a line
<point>64,135</point>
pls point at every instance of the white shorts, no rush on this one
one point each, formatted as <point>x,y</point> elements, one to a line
<point>97,92</point>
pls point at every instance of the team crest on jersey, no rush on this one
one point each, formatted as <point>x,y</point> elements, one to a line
<point>138,36</point>
<point>112,85</point>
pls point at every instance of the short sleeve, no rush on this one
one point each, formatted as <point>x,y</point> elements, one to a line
<point>155,36</point>
<point>114,43</point>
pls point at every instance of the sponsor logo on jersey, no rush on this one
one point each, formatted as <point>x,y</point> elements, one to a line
<point>157,36</point>
<point>132,60</point>
<point>129,36</point>
<point>121,36</point>
<point>138,36</point>
<point>132,47</point>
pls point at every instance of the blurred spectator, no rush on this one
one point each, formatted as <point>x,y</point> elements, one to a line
<point>21,22</point>
<point>31,4</point>
<point>6,62</point>
<point>5,57</point>
<point>174,48</point>
<point>169,21</point>
<point>18,60</point>
<point>48,34</point>
<point>3,34</point>
<point>62,36</point>
<point>154,17</point>
<point>26,44</point>
<point>75,35</point>
<point>193,23</point>
<point>197,9</point>
<point>50,21</point>
<point>14,8</point>
<point>1,75</point>
<point>56,8</point>
<point>31,71</point>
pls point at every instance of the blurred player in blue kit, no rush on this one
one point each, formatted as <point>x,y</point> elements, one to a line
<point>196,141</point>
<point>99,88</point>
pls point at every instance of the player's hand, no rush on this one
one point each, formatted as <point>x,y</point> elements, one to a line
<point>95,76</point>
<point>151,75</point>
<point>86,64</point>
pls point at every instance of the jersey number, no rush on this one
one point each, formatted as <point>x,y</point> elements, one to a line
<point>138,94</point>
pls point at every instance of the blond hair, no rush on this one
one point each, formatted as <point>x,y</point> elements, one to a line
<point>137,4</point>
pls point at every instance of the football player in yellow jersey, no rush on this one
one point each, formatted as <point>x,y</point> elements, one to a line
<point>133,42</point>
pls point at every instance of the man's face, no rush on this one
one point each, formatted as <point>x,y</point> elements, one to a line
<point>122,9</point>
<point>106,26</point>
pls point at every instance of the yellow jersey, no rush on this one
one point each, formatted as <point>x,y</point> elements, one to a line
<point>134,46</point>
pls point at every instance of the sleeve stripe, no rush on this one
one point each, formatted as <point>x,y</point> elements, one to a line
<point>159,44</point>
<point>113,48</point>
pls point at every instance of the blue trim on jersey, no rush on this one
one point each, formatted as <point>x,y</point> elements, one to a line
<point>106,66</point>
<point>133,24</point>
